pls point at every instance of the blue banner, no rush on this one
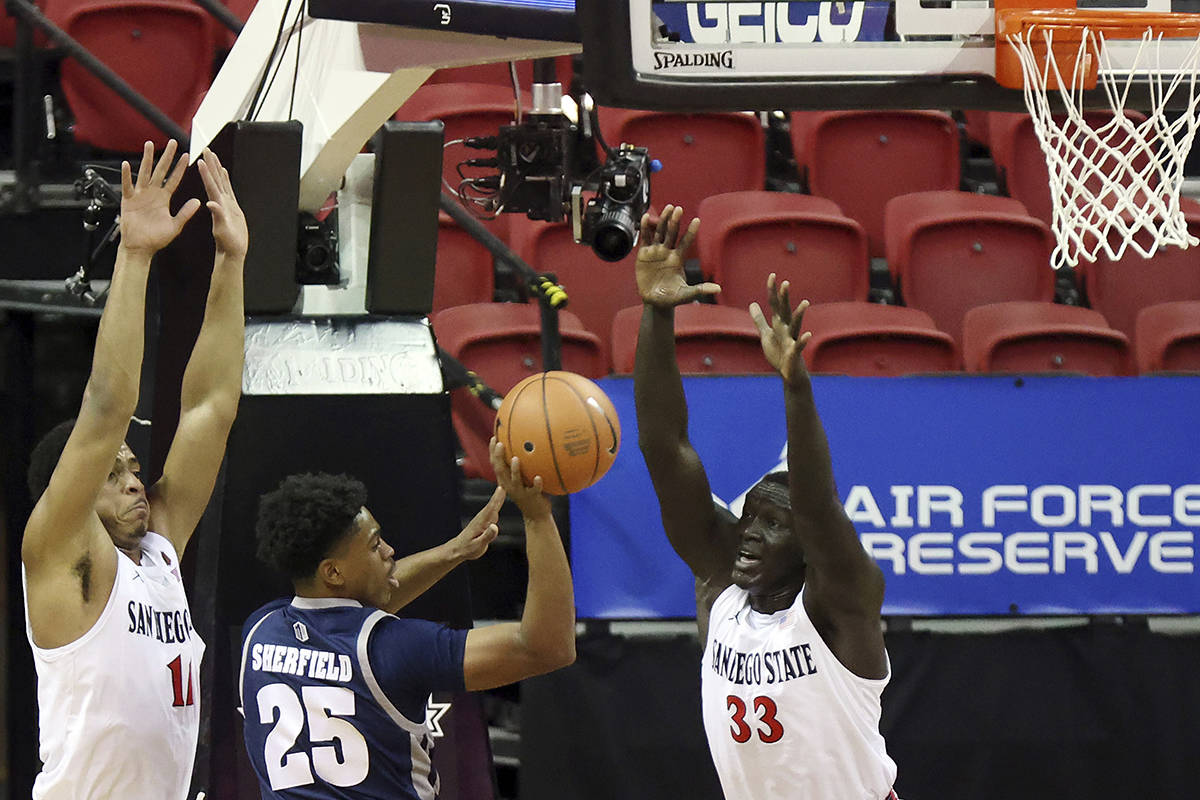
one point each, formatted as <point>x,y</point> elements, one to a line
<point>975,494</point>
<point>772,23</point>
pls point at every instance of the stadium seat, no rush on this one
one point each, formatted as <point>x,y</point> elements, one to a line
<point>869,339</point>
<point>464,273</point>
<point>862,159</point>
<point>951,251</point>
<point>1020,162</point>
<point>701,154</point>
<point>806,240</point>
<point>1120,289</point>
<point>467,110</point>
<point>1167,337</point>
<point>162,48</point>
<point>1022,336</point>
<point>501,343</point>
<point>709,340</point>
<point>596,289</point>
<point>975,126</point>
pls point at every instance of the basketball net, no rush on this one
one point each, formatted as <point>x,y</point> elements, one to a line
<point>1114,184</point>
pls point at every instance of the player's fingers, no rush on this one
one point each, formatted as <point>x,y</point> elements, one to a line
<point>162,168</point>
<point>760,321</point>
<point>176,175</point>
<point>689,236</point>
<point>647,232</point>
<point>492,508</point>
<point>660,233</point>
<point>709,288</point>
<point>189,209</point>
<point>673,227</point>
<point>784,310</point>
<point>147,165</point>
<point>126,179</point>
<point>798,319</point>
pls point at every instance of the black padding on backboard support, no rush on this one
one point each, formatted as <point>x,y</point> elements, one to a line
<point>404,218</point>
<point>264,164</point>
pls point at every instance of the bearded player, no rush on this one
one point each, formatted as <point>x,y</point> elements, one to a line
<point>787,600</point>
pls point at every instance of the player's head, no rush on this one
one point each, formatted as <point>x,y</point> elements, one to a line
<point>770,557</point>
<point>121,503</point>
<point>316,530</point>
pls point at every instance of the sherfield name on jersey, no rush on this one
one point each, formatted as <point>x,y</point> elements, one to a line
<point>288,660</point>
<point>774,666</point>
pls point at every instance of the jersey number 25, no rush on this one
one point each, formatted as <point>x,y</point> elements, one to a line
<point>322,707</point>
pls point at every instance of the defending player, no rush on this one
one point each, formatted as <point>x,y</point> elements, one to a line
<point>334,687</point>
<point>116,655</point>
<point>787,600</point>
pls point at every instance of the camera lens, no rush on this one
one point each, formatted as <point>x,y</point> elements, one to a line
<point>615,234</point>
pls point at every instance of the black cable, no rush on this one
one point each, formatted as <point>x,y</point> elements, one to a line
<point>594,113</point>
<point>299,41</point>
<point>250,111</point>
<point>279,63</point>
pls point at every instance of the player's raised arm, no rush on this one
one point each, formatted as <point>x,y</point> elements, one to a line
<point>419,571</point>
<point>692,523</point>
<point>212,381</point>
<point>544,639</point>
<point>64,527</point>
<point>840,578</point>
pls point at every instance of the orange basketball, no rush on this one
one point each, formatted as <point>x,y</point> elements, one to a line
<point>563,427</point>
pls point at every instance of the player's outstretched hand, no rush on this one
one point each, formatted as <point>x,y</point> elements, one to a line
<point>529,499</point>
<point>229,223</point>
<point>782,341</point>
<point>481,531</point>
<point>660,278</point>
<point>147,224</point>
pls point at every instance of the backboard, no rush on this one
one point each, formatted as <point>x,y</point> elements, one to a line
<point>707,56</point>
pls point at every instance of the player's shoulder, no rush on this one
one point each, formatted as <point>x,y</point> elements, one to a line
<point>260,613</point>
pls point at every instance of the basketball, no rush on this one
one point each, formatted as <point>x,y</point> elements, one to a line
<point>563,427</point>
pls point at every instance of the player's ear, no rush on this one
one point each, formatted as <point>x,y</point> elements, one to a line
<point>329,573</point>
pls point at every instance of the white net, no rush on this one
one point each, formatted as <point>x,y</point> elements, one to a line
<point>1115,178</point>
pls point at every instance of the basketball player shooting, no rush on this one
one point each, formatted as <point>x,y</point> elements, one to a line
<point>334,663</point>
<point>787,600</point>
<point>116,655</point>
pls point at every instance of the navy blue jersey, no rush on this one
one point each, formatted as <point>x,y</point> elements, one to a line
<point>334,697</point>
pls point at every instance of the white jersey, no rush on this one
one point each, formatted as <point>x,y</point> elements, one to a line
<point>784,719</point>
<point>119,707</point>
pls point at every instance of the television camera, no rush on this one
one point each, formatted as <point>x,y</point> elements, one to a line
<point>548,170</point>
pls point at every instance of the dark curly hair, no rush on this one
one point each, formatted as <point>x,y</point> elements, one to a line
<point>45,456</point>
<point>301,521</point>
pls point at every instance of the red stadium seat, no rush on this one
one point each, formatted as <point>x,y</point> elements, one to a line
<point>1020,162</point>
<point>975,125</point>
<point>709,340</point>
<point>1042,337</point>
<point>1120,289</point>
<point>862,159</point>
<point>464,273</point>
<point>162,48</point>
<point>596,289</point>
<point>1167,337</point>
<point>501,343</point>
<point>467,110</point>
<point>701,154</point>
<point>869,339</point>
<point>951,251</point>
<point>806,240</point>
